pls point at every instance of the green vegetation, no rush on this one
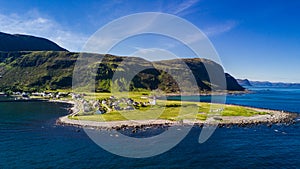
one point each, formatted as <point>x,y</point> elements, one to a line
<point>240,111</point>
<point>53,70</point>
<point>36,71</point>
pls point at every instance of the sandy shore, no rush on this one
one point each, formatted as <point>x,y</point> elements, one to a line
<point>272,117</point>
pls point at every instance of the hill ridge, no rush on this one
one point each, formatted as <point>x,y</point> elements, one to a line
<point>20,42</point>
<point>42,70</point>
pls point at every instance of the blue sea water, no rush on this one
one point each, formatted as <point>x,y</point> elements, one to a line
<point>29,138</point>
<point>287,99</point>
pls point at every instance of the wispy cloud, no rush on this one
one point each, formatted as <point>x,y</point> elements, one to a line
<point>220,28</point>
<point>153,54</point>
<point>188,7</point>
<point>33,23</point>
<point>181,7</point>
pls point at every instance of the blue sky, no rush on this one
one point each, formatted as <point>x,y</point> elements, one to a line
<point>258,40</point>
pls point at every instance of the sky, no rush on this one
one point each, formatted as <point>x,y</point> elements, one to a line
<point>257,40</point>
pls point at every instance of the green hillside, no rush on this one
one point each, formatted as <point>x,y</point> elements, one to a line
<point>44,70</point>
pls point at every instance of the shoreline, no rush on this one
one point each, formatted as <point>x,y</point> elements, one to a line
<point>210,93</point>
<point>272,117</point>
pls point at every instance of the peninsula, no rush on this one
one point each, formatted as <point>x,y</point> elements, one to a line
<point>109,112</point>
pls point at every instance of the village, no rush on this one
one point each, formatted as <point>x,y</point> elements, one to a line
<point>88,107</point>
<point>112,103</point>
<point>40,95</point>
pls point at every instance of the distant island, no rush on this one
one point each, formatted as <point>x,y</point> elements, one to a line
<point>244,82</point>
<point>247,83</point>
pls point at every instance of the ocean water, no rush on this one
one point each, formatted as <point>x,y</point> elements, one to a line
<point>287,99</point>
<point>29,138</point>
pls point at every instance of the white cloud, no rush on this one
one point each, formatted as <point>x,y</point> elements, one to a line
<point>186,7</point>
<point>220,28</point>
<point>32,23</point>
<point>154,54</point>
<point>182,7</point>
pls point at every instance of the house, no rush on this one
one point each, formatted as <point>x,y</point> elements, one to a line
<point>103,102</point>
<point>152,101</point>
<point>135,104</point>
<point>37,94</point>
<point>25,95</point>
<point>96,104</point>
<point>47,94</point>
<point>143,104</point>
<point>112,97</point>
<point>129,108</point>
<point>118,108</point>
<point>86,107</point>
<point>61,94</point>
<point>100,111</point>
<point>76,96</point>
<point>129,101</point>
<point>114,104</point>
<point>17,93</point>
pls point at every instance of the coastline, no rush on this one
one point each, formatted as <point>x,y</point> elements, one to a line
<point>272,117</point>
<point>208,93</point>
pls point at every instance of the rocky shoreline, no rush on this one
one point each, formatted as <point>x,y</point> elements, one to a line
<point>272,117</point>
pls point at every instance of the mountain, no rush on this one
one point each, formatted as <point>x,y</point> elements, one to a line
<point>18,42</point>
<point>232,83</point>
<point>199,69</point>
<point>244,82</point>
<point>40,70</point>
<point>274,84</point>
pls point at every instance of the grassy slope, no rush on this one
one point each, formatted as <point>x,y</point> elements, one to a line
<point>34,71</point>
<point>50,70</point>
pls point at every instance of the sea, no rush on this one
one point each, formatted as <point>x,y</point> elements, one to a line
<point>30,138</point>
